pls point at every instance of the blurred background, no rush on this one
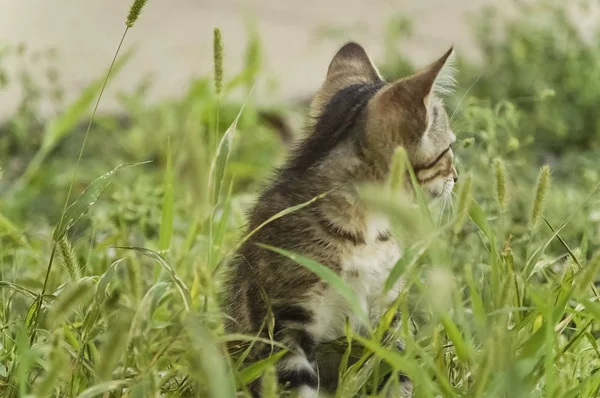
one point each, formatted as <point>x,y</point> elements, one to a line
<point>173,42</point>
<point>528,95</point>
<point>531,64</point>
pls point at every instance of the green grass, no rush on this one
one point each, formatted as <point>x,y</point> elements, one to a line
<point>116,293</point>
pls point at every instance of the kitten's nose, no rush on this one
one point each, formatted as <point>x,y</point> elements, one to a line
<point>455,178</point>
<point>454,174</point>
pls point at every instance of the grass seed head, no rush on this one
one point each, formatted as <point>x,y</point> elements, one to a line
<point>218,59</point>
<point>69,259</point>
<point>500,176</point>
<point>134,12</point>
<point>541,188</point>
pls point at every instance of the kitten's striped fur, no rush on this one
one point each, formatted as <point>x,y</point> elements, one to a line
<point>359,120</point>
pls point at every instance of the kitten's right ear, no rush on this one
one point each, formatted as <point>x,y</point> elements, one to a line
<point>437,78</point>
<point>352,60</point>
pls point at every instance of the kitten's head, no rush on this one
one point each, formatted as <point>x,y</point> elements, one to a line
<point>408,112</point>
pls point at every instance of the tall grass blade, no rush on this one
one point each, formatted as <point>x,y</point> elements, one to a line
<point>254,371</point>
<point>219,163</point>
<point>102,388</point>
<point>463,350</point>
<point>411,255</point>
<point>166,225</point>
<point>105,279</point>
<point>21,290</point>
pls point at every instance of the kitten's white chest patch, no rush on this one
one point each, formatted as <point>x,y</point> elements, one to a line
<point>368,267</point>
<point>365,269</point>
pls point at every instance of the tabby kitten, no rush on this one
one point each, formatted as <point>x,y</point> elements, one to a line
<point>359,121</point>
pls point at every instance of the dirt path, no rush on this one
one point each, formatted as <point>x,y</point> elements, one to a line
<point>173,38</point>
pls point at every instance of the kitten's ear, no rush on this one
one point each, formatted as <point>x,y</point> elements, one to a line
<point>437,78</point>
<point>352,60</point>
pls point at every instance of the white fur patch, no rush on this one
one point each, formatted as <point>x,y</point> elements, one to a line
<point>365,269</point>
<point>296,362</point>
<point>440,186</point>
<point>308,392</point>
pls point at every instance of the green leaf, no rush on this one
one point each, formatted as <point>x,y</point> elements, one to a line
<point>410,256</point>
<point>396,360</point>
<point>219,163</point>
<point>480,219</point>
<point>329,276</point>
<point>254,371</point>
<point>105,279</point>
<point>463,351</point>
<point>18,289</point>
<point>102,388</point>
<point>87,199</point>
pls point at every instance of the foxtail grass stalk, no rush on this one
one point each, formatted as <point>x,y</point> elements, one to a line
<point>134,13</point>
<point>218,70</point>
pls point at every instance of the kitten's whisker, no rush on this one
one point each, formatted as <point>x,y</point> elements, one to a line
<point>450,206</point>
<point>465,95</point>
<point>441,219</point>
<point>453,211</point>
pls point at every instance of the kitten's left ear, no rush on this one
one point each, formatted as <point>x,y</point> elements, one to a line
<point>352,61</point>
